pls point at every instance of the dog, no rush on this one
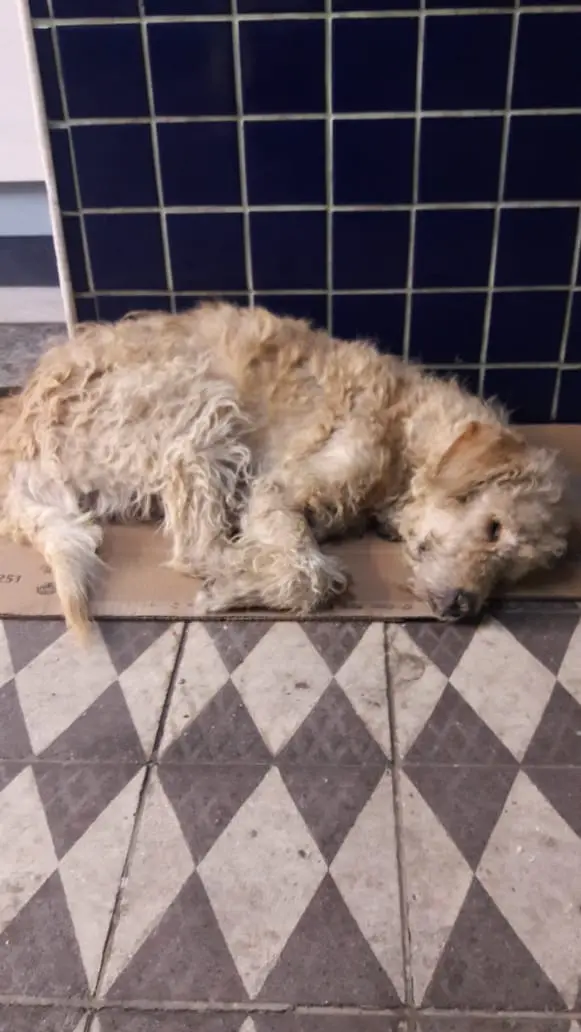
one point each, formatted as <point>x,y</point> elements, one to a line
<point>258,437</point>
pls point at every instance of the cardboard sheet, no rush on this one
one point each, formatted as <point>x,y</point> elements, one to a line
<point>136,584</point>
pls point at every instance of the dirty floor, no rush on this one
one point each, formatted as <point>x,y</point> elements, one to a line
<point>326,827</point>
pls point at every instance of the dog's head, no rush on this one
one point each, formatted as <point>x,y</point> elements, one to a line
<point>491,509</point>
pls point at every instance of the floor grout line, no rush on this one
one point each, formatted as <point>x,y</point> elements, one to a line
<point>253,1007</point>
<point>398,822</point>
<point>149,768</point>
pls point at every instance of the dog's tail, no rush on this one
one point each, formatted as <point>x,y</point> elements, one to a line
<point>46,513</point>
<point>72,556</point>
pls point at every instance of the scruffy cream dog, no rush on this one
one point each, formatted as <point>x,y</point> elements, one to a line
<point>257,437</point>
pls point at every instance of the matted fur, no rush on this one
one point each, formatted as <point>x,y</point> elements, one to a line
<point>257,437</point>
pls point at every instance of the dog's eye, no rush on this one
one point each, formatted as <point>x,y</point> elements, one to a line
<point>493,530</point>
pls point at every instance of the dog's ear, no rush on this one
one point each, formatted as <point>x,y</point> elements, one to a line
<point>480,454</point>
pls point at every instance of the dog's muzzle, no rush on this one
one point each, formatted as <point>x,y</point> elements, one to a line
<point>456,604</point>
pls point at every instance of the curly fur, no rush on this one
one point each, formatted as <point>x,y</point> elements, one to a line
<point>257,437</point>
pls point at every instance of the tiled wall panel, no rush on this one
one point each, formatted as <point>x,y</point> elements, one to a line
<point>398,169</point>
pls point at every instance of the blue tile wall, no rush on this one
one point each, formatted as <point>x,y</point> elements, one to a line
<point>406,170</point>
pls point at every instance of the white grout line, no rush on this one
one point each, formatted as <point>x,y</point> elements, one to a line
<point>407,331</point>
<point>437,12</point>
<point>237,209</point>
<point>370,292</point>
<point>567,320</point>
<point>245,207</point>
<point>338,116</point>
<point>157,160</point>
<point>500,196</point>
<point>329,160</point>
<point>75,174</point>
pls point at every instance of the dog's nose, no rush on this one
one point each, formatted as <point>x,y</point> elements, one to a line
<point>458,603</point>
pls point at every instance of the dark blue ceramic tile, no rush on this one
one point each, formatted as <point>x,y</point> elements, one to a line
<point>535,247</point>
<point>569,410</point>
<point>285,162</point>
<point>187,6</point>
<point>283,67</point>
<point>95,8</point>
<point>115,166</point>
<point>460,159</point>
<point>103,71</point>
<point>199,163</point>
<point>574,338</point>
<point>447,328</point>
<point>544,158</point>
<point>377,317</point>
<point>113,307</point>
<point>192,68</point>
<point>312,307</point>
<point>85,309</point>
<point>289,250</point>
<point>547,61</point>
<point>467,377</point>
<point>184,302</point>
<point>375,5</point>
<point>38,8</point>
<point>63,170</point>
<point>370,250</point>
<point>453,248</point>
<point>509,4</point>
<point>526,393</point>
<point>48,74</point>
<point>207,252</point>
<point>562,3</point>
<point>373,161</point>
<point>126,252</point>
<point>279,6</point>
<point>75,254</point>
<point>466,62</point>
<point>27,261</point>
<point>374,64</point>
<point>526,327</point>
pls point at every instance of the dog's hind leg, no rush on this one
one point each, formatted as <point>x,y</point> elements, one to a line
<point>46,513</point>
<point>275,562</point>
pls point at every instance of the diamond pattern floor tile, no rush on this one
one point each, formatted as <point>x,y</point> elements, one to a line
<point>493,1024</point>
<point>224,847</point>
<point>268,833</point>
<point>69,792</point>
<point>488,731</point>
<point>41,1019</point>
<point>59,702</point>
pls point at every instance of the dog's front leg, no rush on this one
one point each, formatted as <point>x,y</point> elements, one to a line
<point>275,562</point>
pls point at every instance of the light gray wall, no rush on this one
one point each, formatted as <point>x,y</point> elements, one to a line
<point>24,210</point>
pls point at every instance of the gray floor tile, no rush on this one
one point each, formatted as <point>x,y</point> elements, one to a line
<point>21,345</point>
<point>273,801</point>
<point>488,731</point>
